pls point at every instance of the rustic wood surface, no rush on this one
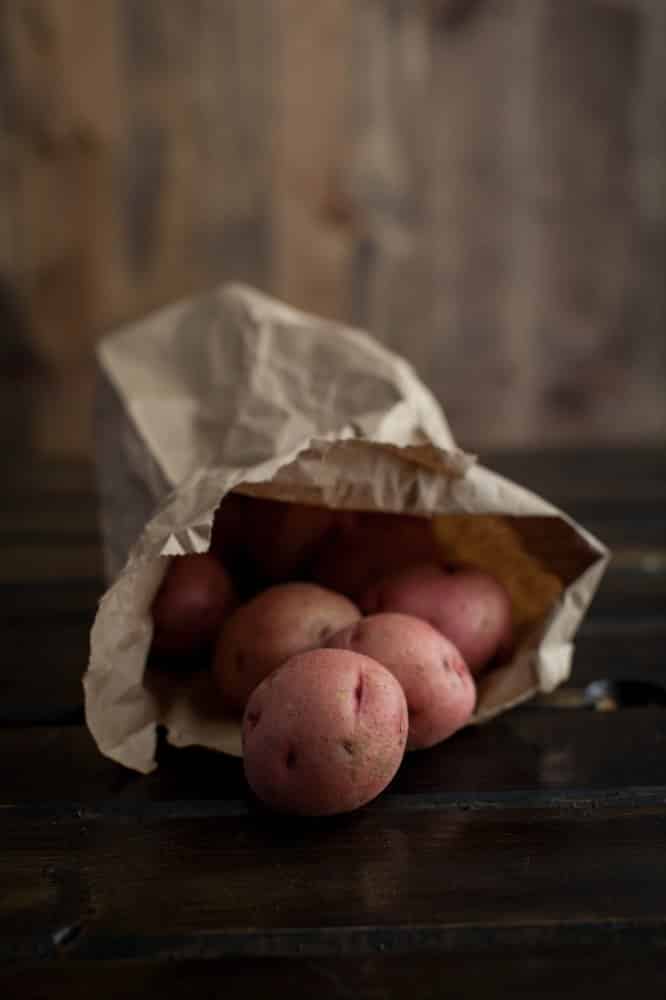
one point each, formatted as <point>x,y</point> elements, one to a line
<point>481,183</point>
<point>524,855</point>
<point>550,973</point>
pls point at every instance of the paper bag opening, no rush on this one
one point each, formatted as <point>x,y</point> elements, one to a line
<point>232,391</point>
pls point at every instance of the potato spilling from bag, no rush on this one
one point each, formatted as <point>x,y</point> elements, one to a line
<point>438,686</point>
<point>469,607</point>
<point>262,634</point>
<point>195,598</point>
<point>331,699</point>
<point>324,734</point>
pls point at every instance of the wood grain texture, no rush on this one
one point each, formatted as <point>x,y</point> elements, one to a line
<point>585,195</point>
<point>526,854</point>
<point>138,157</point>
<point>191,882</point>
<point>312,225</point>
<point>149,103</point>
<point>44,665</point>
<point>430,164</point>
<point>557,971</point>
<point>505,255</point>
<point>528,751</point>
<point>482,184</point>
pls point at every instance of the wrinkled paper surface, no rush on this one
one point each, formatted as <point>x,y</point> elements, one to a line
<point>232,389</point>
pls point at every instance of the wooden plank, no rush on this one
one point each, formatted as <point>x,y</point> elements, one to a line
<point>548,972</point>
<point>532,749</point>
<point>630,596</point>
<point>389,172</point>
<point>57,763</point>
<point>35,475</point>
<point>41,668</point>
<point>312,218</point>
<point>648,303</point>
<point>476,167</point>
<point>436,185</point>
<point>482,196</point>
<point>53,645</point>
<point>619,651</point>
<point>581,861</point>
<point>42,524</point>
<point>632,536</point>
<point>583,179</point>
<point>529,749</point>
<point>147,128</point>
<point>603,476</point>
<point>10,231</point>
<point>64,602</point>
<point>23,564</point>
<point>150,108</point>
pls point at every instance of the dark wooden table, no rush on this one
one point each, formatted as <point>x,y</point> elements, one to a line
<point>528,855</point>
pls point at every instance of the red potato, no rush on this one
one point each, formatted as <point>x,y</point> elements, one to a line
<point>278,623</point>
<point>439,688</point>
<point>189,609</point>
<point>374,545</point>
<point>469,607</point>
<point>324,734</point>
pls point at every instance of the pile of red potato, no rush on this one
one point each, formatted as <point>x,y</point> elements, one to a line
<point>339,637</point>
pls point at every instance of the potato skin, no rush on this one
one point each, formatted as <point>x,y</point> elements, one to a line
<point>275,625</point>
<point>324,734</point>
<point>368,546</point>
<point>469,607</point>
<point>191,605</point>
<point>439,688</point>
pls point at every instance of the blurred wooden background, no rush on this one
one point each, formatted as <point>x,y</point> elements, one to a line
<point>481,183</point>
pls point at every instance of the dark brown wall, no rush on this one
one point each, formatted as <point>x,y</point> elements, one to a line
<point>482,183</point>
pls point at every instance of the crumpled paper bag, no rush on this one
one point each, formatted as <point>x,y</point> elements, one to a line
<point>232,389</point>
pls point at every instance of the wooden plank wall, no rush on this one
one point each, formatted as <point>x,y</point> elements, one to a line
<point>482,183</point>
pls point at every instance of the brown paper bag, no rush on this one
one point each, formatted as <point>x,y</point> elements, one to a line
<point>232,389</point>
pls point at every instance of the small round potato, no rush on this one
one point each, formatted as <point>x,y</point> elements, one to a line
<point>368,547</point>
<point>324,734</point>
<point>469,607</point>
<point>190,607</point>
<point>275,625</point>
<point>438,686</point>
